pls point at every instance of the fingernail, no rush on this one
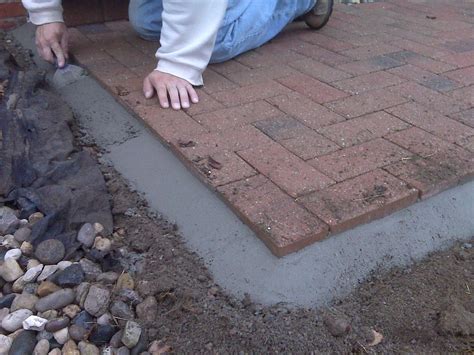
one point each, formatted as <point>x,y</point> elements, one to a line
<point>185,105</point>
<point>148,94</point>
<point>166,105</point>
<point>195,100</point>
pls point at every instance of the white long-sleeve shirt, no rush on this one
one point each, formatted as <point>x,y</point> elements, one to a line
<point>188,32</point>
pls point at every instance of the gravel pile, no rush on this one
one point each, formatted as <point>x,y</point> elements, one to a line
<point>54,303</point>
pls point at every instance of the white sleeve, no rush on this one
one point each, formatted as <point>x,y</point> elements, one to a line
<point>44,11</point>
<point>188,36</point>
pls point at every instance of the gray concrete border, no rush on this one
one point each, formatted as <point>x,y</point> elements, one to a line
<point>239,262</point>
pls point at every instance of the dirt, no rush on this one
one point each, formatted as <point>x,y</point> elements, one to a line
<point>425,308</point>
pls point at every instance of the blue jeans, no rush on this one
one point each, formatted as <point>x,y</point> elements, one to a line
<point>247,24</point>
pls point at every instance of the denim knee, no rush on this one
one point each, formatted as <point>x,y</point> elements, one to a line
<point>145,18</point>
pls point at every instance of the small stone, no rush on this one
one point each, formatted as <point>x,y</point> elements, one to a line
<point>23,223</point>
<point>7,288</point>
<point>24,301</point>
<point>107,278</point>
<point>64,264</point>
<point>116,340</point>
<point>81,293</point>
<point>148,309</point>
<point>41,348</point>
<point>86,235</point>
<point>61,336</point>
<point>69,277</point>
<point>49,315</point>
<point>70,348</point>
<point>56,300</point>
<point>108,351</point>
<point>102,334</point>
<point>14,320</point>
<point>32,274</point>
<point>102,244</point>
<point>5,344</point>
<point>98,228</point>
<point>84,320</point>
<point>125,281</point>
<point>8,220</point>
<point>27,248</point>
<point>91,269</point>
<point>123,351</point>
<point>19,285</point>
<point>131,334</point>
<point>30,288</point>
<point>13,253</point>
<point>97,300</point>
<point>121,310</point>
<point>10,270</point>
<point>72,310</point>
<point>88,349</point>
<point>6,301</point>
<point>48,270</point>
<point>78,333</point>
<point>57,324</point>
<point>24,343</point>
<point>44,335</point>
<point>50,251</point>
<point>32,263</point>
<point>3,313</point>
<point>337,326</point>
<point>130,296</point>
<point>22,234</point>
<point>46,288</point>
<point>55,351</point>
<point>104,319</point>
<point>34,323</point>
<point>10,242</point>
<point>35,217</point>
<point>141,345</point>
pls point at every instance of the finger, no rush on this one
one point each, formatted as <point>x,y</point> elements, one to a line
<point>65,44</point>
<point>148,89</point>
<point>58,51</point>
<point>183,95</point>
<point>163,96</point>
<point>47,54</point>
<point>174,97</point>
<point>192,94</point>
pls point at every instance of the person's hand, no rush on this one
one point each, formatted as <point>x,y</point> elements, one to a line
<point>52,41</point>
<point>169,88</point>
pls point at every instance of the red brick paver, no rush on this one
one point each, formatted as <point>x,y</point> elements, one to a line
<point>317,131</point>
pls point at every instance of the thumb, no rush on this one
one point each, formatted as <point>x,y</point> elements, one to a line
<point>148,89</point>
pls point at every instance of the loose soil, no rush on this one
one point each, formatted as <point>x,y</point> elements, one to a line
<point>428,307</point>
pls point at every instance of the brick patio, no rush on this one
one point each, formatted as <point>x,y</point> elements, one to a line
<point>318,132</point>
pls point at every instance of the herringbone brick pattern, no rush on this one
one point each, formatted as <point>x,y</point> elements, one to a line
<point>317,132</point>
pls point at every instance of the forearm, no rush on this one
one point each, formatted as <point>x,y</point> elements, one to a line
<point>188,36</point>
<point>44,11</point>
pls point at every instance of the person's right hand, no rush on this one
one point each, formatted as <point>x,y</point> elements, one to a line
<point>52,41</point>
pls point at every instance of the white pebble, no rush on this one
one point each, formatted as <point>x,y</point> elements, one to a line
<point>34,323</point>
<point>5,344</point>
<point>32,274</point>
<point>61,336</point>
<point>102,244</point>
<point>48,270</point>
<point>13,253</point>
<point>98,228</point>
<point>64,264</point>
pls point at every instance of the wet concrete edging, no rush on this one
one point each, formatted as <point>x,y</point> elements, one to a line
<point>239,262</point>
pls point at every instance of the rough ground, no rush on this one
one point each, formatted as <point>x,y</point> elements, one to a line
<point>427,308</point>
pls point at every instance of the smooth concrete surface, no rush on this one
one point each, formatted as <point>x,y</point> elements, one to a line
<point>239,262</point>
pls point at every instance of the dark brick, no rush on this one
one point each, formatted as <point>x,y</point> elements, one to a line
<point>281,223</point>
<point>360,200</point>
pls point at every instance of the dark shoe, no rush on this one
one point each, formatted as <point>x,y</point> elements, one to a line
<point>319,15</point>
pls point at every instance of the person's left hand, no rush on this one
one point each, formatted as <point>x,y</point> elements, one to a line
<point>179,91</point>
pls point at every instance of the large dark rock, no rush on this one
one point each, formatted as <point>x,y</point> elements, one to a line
<point>24,343</point>
<point>69,277</point>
